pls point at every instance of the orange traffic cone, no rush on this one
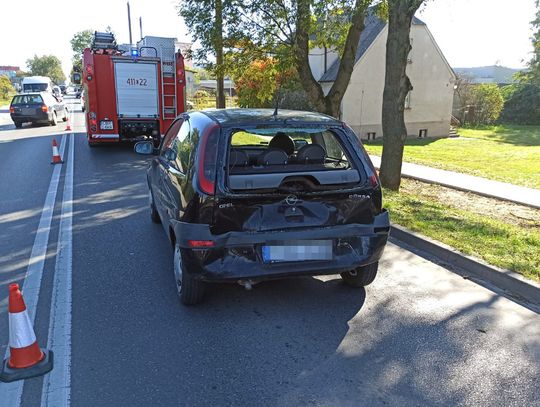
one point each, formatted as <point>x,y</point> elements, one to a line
<point>68,127</point>
<point>26,358</point>
<point>56,159</point>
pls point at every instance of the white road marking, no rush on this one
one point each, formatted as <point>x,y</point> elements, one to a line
<point>10,393</point>
<point>56,390</point>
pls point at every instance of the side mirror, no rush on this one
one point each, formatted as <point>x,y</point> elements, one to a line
<point>144,147</point>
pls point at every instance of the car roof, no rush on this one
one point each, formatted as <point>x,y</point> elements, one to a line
<point>36,79</point>
<point>239,116</point>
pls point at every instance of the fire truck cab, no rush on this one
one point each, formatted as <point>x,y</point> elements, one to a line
<point>133,94</point>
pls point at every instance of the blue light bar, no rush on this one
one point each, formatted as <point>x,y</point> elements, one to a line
<point>134,52</point>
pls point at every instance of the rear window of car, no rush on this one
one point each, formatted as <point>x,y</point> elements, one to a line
<point>35,87</point>
<point>27,99</point>
<point>295,148</point>
<point>309,159</point>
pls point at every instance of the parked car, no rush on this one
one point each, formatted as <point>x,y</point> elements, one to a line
<point>78,93</point>
<point>57,93</point>
<point>63,88</point>
<point>245,195</point>
<point>39,107</point>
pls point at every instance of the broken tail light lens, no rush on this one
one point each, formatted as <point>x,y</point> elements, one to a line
<point>207,159</point>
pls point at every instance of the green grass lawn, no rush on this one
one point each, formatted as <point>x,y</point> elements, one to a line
<point>502,243</point>
<point>503,153</point>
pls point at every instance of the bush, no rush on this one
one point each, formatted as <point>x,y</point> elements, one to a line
<point>522,104</point>
<point>487,104</point>
<point>201,94</point>
<point>6,88</point>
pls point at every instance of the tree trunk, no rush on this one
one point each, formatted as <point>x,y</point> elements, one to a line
<point>218,29</point>
<point>396,87</point>
<point>331,103</point>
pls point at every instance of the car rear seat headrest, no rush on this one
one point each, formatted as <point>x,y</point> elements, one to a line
<point>238,158</point>
<point>311,153</point>
<point>272,156</point>
<point>283,142</point>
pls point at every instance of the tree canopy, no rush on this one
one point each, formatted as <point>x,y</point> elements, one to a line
<point>5,87</point>
<point>286,31</point>
<point>46,65</point>
<point>522,100</point>
<point>80,41</point>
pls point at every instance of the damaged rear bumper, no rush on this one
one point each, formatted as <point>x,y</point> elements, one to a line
<point>238,255</point>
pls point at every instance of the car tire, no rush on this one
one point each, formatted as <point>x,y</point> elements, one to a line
<point>154,215</point>
<point>18,125</point>
<point>54,120</point>
<point>361,276</point>
<point>190,291</point>
<point>65,118</point>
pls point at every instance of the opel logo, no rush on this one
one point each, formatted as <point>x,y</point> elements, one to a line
<point>291,200</point>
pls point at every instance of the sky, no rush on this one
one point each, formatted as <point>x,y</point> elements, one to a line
<point>469,32</point>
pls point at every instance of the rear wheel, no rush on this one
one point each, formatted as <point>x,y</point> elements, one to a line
<point>154,215</point>
<point>54,120</point>
<point>190,291</point>
<point>18,125</point>
<point>361,276</point>
<point>65,115</point>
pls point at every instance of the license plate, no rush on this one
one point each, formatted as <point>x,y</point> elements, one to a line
<point>298,250</point>
<point>28,111</point>
<point>106,125</point>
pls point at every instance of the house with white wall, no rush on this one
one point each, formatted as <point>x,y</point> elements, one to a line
<point>428,107</point>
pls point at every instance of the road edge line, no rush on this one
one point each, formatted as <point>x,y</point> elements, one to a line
<point>11,393</point>
<point>509,281</point>
<point>56,387</point>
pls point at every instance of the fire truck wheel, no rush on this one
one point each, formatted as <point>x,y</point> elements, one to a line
<point>54,120</point>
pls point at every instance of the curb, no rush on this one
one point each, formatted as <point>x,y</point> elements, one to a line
<point>507,280</point>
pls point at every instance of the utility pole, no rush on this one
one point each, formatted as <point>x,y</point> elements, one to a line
<point>140,25</point>
<point>129,24</point>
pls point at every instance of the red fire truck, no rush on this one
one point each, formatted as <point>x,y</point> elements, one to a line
<point>132,94</point>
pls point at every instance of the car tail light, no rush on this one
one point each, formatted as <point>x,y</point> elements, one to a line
<point>373,180</point>
<point>201,243</point>
<point>44,108</point>
<point>207,159</point>
<point>11,109</point>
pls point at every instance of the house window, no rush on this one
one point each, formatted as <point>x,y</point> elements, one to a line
<point>408,100</point>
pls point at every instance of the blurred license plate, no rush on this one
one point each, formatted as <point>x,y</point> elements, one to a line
<point>298,250</point>
<point>106,125</point>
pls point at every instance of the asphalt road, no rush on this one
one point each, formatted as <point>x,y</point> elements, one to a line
<point>105,302</point>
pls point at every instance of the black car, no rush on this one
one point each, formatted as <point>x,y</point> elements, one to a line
<point>246,195</point>
<point>39,107</point>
